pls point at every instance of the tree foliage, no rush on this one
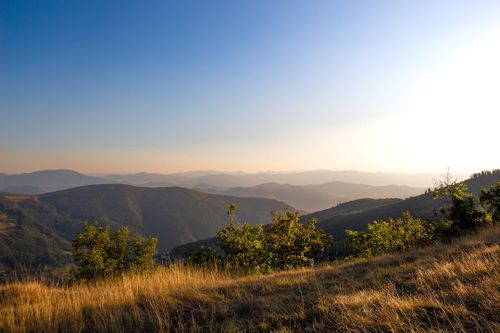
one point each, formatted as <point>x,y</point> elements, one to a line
<point>244,245</point>
<point>490,201</point>
<point>394,235</point>
<point>293,244</point>
<point>101,254</point>
<point>204,257</point>
<point>285,244</point>
<point>461,210</point>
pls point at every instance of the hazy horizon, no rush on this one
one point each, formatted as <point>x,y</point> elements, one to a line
<point>164,87</point>
<point>241,172</point>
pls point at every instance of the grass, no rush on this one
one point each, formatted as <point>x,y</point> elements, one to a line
<point>453,287</point>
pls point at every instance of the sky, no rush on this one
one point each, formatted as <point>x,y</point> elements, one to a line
<point>166,86</point>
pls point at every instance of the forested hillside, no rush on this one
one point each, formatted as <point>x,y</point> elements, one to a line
<point>37,230</point>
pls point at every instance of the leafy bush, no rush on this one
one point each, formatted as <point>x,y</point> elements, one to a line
<point>286,244</point>
<point>490,201</point>
<point>244,246</point>
<point>293,244</point>
<point>205,257</point>
<point>101,254</point>
<point>394,235</point>
<point>461,211</point>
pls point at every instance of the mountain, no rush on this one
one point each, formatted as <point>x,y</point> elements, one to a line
<point>45,181</point>
<point>241,179</point>
<point>38,229</point>
<point>157,179</point>
<point>311,198</point>
<point>315,177</point>
<point>358,214</point>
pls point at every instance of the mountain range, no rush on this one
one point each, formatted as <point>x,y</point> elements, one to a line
<point>38,230</point>
<point>357,214</point>
<point>300,190</point>
<point>311,198</point>
<point>52,180</point>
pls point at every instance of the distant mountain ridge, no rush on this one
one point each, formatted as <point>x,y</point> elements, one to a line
<point>52,180</point>
<point>45,181</point>
<point>311,198</point>
<point>358,214</point>
<point>308,197</point>
<point>37,230</point>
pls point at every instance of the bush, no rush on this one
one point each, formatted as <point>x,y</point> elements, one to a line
<point>394,235</point>
<point>244,246</point>
<point>461,210</point>
<point>293,244</point>
<point>490,201</point>
<point>205,257</point>
<point>101,254</point>
<point>286,244</point>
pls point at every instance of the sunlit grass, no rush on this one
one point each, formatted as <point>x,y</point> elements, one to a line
<point>453,287</point>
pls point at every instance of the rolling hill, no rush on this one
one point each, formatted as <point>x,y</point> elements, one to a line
<point>37,230</point>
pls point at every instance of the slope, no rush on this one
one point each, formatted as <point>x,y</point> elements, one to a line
<point>445,288</point>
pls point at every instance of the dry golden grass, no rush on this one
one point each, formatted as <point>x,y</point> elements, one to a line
<point>452,287</point>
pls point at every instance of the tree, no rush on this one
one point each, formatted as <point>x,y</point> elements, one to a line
<point>144,251</point>
<point>293,244</point>
<point>100,254</point>
<point>286,244</point>
<point>244,246</point>
<point>204,257</point>
<point>461,209</point>
<point>490,201</point>
<point>394,235</point>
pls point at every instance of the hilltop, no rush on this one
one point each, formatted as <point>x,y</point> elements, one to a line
<point>445,288</point>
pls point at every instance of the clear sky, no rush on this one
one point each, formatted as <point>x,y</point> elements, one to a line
<point>163,86</point>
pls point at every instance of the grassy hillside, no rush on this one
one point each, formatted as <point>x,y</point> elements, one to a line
<point>37,230</point>
<point>445,288</point>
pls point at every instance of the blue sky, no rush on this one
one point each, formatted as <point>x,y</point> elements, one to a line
<point>163,86</point>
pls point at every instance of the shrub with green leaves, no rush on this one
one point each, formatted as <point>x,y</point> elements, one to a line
<point>461,210</point>
<point>490,201</point>
<point>394,235</point>
<point>293,244</point>
<point>204,257</point>
<point>285,244</point>
<point>101,254</point>
<point>244,246</point>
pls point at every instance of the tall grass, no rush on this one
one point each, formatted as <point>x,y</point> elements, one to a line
<point>454,287</point>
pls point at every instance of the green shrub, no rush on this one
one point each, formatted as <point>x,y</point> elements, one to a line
<point>286,244</point>
<point>100,254</point>
<point>490,201</point>
<point>205,257</point>
<point>293,244</point>
<point>244,246</point>
<point>461,210</point>
<point>394,235</point>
